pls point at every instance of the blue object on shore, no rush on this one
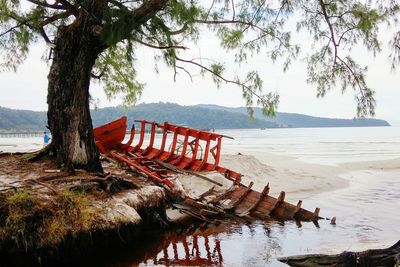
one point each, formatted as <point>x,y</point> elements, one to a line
<point>46,138</point>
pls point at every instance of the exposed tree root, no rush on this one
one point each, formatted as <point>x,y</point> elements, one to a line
<point>51,188</point>
<point>41,153</point>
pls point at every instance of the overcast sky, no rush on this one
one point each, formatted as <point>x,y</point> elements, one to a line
<point>27,88</point>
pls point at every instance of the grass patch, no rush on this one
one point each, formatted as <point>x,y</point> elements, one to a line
<point>28,156</point>
<point>30,221</point>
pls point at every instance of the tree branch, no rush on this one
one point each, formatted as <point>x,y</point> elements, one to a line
<point>95,76</point>
<point>219,76</point>
<point>336,45</point>
<point>118,4</point>
<point>21,21</point>
<point>11,29</point>
<point>326,16</point>
<point>39,27</point>
<point>160,47</point>
<point>44,35</point>
<point>137,18</point>
<point>186,71</point>
<point>181,30</point>
<point>344,33</point>
<point>56,17</point>
<point>246,23</point>
<point>70,7</point>
<point>45,4</point>
<point>211,7</point>
<point>354,75</point>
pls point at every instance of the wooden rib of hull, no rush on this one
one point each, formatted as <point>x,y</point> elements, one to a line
<point>266,206</point>
<point>151,162</point>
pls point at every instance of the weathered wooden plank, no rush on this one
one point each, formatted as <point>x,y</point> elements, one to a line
<point>255,204</point>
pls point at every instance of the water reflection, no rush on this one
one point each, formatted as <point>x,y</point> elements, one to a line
<point>228,244</point>
<point>200,246</point>
<point>195,250</point>
<point>367,218</point>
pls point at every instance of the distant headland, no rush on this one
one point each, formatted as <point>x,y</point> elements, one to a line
<point>198,116</point>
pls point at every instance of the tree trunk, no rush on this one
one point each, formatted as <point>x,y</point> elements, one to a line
<point>70,123</point>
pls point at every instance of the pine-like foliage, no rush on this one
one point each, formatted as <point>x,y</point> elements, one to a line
<point>246,27</point>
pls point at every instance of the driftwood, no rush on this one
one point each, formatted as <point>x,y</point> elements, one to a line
<point>182,171</point>
<point>373,257</point>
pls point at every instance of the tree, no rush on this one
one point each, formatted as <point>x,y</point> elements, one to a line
<point>97,39</point>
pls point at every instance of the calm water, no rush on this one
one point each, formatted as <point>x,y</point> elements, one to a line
<point>317,145</point>
<point>367,211</point>
<point>320,145</point>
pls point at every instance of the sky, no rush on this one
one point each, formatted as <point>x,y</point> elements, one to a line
<point>27,88</point>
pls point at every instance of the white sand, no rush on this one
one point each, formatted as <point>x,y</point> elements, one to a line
<point>298,179</point>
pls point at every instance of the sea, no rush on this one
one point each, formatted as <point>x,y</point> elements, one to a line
<point>367,211</point>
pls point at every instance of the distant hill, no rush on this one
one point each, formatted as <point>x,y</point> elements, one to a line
<point>199,116</point>
<point>303,121</point>
<point>13,119</point>
<point>193,116</point>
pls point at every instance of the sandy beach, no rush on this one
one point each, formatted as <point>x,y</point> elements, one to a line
<point>300,180</point>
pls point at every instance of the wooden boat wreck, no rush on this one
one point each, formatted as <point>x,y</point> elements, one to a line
<point>195,153</point>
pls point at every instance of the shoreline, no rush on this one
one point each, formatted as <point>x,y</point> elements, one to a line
<point>299,179</point>
<point>302,180</point>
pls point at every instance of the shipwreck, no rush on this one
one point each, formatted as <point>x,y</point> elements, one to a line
<point>165,152</point>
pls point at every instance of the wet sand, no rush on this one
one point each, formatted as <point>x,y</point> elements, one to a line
<point>300,180</point>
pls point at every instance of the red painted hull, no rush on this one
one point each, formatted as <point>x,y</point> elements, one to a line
<point>110,136</point>
<point>157,163</point>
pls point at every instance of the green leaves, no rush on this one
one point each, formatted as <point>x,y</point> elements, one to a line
<point>14,36</point>
<point>230,38</point>
<point>338,27</point>
<point>217,69</point>
<point>183,11</point>
<point>367,18</point>
<point>244,28</point>
<point>395,45</point>
<point>252,88</point>
<point>15,47</point>
<point>116,72</point>
<point>20,27</point>
<point>345,73</point>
